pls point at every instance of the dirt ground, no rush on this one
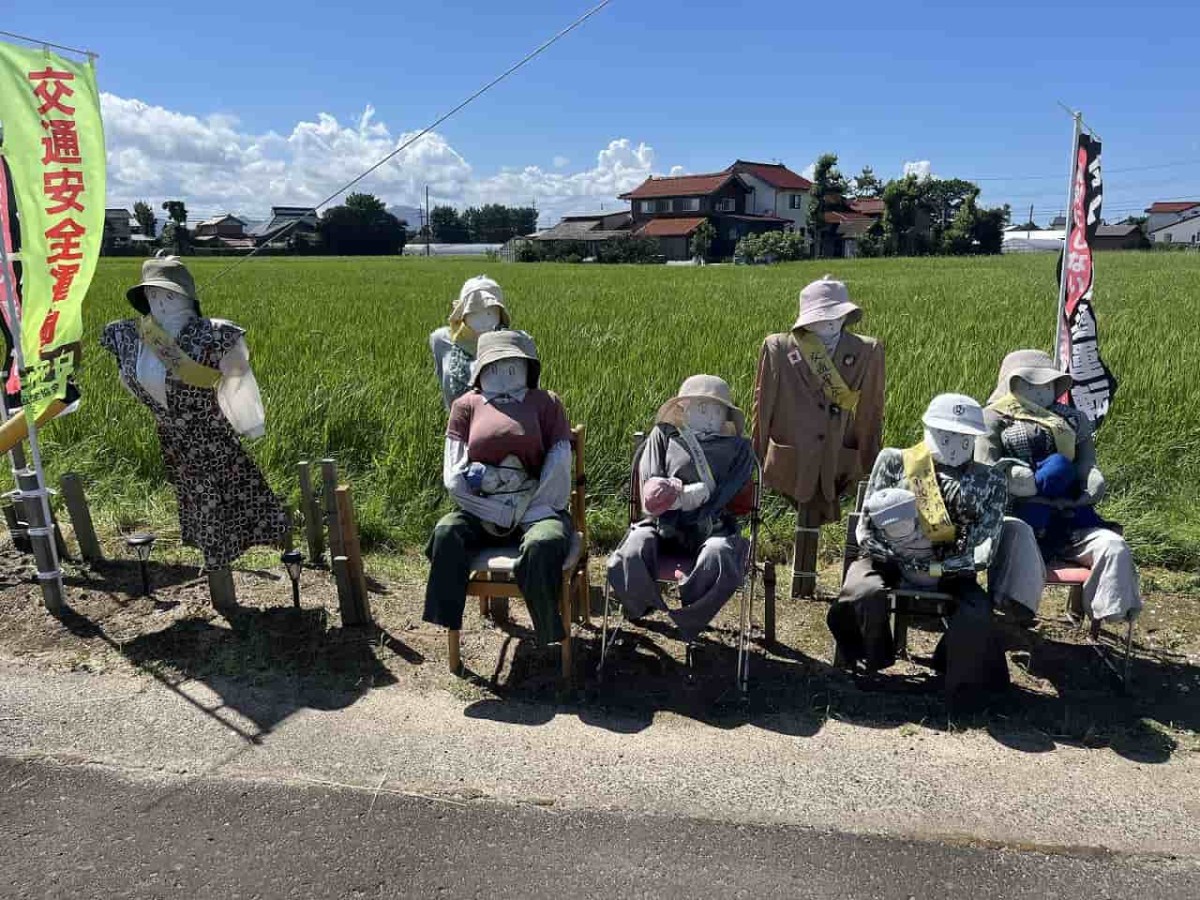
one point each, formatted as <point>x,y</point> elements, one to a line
<point>1061,693</point>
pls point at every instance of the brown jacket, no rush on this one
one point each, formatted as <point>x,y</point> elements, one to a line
<point>810,451</point>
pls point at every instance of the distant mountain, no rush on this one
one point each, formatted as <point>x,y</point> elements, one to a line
<point>409,214</point>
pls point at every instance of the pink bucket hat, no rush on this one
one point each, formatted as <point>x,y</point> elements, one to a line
<point>826,299</point>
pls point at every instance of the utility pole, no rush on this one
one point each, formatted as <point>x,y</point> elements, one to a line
<point>1029,220</point>
<point>428,224</point>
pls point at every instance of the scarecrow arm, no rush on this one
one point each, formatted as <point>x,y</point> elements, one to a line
<point>16,429</point>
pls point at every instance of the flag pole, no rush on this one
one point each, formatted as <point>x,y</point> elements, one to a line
<point>1059,360</point>
<point>31,483</point>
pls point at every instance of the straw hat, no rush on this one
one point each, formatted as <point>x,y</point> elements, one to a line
<point>494,346</point>
<point>477,294</point>
<point>955,412</point>
<point>166,272</point>
<point>701,387</point>
<point>826,299</point>
<point>1035,367</point>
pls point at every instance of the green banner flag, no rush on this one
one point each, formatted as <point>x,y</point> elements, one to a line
<point>52,141</point>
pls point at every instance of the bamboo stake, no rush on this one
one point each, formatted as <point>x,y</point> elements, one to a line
<point>311,510</point>
<point>330,482</point>
<point>348,526</point>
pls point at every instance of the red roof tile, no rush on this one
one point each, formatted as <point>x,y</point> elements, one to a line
<point>867,206</point>
<point>836,218</point>
<point>679,186</point>
<point>1172,206</point>
<point>680,227</point>
<point>775,174</point>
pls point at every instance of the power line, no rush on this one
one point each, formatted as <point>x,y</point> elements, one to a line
<point>1058,177</point>
<point>428,128</point>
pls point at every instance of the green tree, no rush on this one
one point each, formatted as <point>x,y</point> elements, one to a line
<point>829,195</point>
<point>176,211</point>
<point>446,225</point>
<point>175,235</point>
<point>702,239</point>
<point>361,226</point>
<point>145,218</point>
<point>867,184</point>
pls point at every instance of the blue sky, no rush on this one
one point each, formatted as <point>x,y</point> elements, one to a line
<point>229,104</point>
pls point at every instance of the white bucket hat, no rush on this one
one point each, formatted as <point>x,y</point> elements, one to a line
<point>1035,367</point>
<point>890,505</point>
<point>955,412</point>
<point>701,387</point>
<point>826,299</point>
<point>494,346</point>
<point>477,294</point>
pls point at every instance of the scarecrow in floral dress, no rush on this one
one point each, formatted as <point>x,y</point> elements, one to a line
<point>193,373</point>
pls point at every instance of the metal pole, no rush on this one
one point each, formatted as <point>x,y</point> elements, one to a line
<point>1062,279</point>
<point>428,224</point>
<point>49,574</point>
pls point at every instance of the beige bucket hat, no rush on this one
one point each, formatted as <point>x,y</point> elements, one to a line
<point>167,272</point>
<point>826,299</point>
<point>494,346</point>
<point>701,387</point>
<point>477,294</point>
<point>1036,367</point>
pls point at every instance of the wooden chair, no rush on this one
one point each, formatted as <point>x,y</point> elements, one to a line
<point>1073,576</point>
<point>673,568</point>
<point>493,582</point>
<point>906,605</point>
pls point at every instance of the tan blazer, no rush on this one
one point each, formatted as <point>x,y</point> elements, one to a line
<point>810,451</point>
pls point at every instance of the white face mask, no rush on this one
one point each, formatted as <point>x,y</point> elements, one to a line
<point>949,447</point>
<point>827,329</point>
<point>1037,394</point>
<point>170,309</point>
<point>507,376</point>
<point>900,529</point>
<point>705,416</point>
<point>485,320</point>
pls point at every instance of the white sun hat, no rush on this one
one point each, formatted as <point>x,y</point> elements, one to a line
<point>955,412</point>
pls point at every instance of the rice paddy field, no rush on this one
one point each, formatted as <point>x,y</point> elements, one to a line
<point>340,350</point>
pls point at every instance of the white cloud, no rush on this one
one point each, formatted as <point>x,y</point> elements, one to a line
<point>809,171</point>
<point>215,165</point>
<point>920,168</point>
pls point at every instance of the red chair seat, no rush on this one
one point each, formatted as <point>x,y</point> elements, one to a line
<point>673,568</point>
<point>1058,572</point>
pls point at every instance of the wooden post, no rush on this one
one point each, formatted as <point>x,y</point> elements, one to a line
<point>81,518</point>
<point>310,508</point>
<point>804,555</point>
<point>348,526</point>
<point>347,606</point>
<point>769,602</point>
<point>330,483</point>
<point>221,589</point>
<point>454,651</point>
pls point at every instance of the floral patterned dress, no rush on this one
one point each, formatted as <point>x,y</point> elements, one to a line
<point>225,504</point>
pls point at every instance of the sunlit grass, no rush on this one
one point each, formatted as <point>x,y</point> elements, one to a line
<point>339,347</point>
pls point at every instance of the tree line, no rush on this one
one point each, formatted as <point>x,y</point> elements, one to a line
<point>921,216</point>
<point>492,223</point>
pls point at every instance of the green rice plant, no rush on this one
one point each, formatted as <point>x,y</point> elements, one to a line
<point>340,350</point>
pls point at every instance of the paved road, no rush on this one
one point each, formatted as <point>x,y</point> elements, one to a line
<point>83,832</point>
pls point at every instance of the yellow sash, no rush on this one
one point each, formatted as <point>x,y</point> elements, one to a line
<point>177,363</point>
<point>464,335</point>
<point>931,508</point>
<point>833,386</point>
<point>1015,408</point>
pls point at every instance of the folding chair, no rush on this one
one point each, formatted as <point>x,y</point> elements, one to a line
<point>906,605</point>
<point>493,582</point>
<point>1073,576</point>
<point>672,568</point>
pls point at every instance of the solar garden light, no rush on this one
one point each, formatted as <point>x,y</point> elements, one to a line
<point>142,544</point>
<point>292,561</point>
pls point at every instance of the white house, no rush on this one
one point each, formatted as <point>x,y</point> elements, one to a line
<point>1168,212</point>
<point>776,191</point>
<point>1182,231</point>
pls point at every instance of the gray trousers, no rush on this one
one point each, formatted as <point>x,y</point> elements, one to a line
<point>1017,572</point>
<point>717,574</point>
